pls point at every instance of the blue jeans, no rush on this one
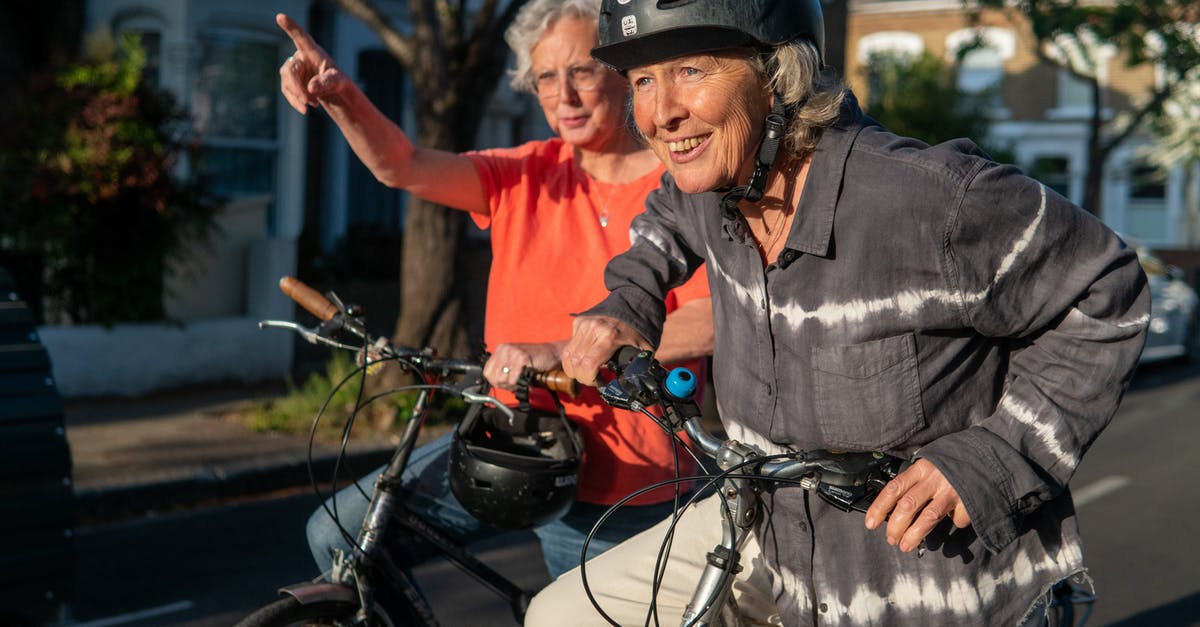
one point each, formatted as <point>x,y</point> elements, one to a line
<point>427,476</point>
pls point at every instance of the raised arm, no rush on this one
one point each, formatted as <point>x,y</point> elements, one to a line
<point>310,77</point>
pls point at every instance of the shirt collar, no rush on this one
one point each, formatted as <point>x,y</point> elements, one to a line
<point>812,230</point>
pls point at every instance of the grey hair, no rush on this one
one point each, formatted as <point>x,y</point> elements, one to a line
<point>813,95</point>
<point>531,23</point>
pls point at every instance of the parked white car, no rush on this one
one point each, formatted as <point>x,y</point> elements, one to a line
<point>1174,311</point>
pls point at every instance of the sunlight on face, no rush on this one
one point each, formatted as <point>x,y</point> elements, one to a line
<point>584,109</point>
<point>702,115</point>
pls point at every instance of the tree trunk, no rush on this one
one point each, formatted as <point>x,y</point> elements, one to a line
<point>454,57</point>
<point>431,303</point>
<point>1096,156</point>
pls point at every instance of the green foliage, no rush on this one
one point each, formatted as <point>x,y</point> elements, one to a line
<point>294,413</point>
<point>1162,34</point>
<point>88,187</point>
<point>918,96</point>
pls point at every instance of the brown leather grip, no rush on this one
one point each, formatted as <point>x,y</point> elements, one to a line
<point>308,298</point>
<point>557,381</point>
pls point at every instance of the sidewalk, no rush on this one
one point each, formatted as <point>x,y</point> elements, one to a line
<point>175,450</point>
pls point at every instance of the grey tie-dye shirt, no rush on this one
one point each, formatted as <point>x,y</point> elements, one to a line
<point>928,302</point>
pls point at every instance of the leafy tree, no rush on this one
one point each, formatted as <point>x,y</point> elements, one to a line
<point>454,55</point>
<point>1178,144</point>
<point>87,187</point>
<point>918,96</point>
<point>1154,33</point>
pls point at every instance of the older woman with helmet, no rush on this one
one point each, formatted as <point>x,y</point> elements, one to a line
<point>871,293</point>
<point>558,210</point>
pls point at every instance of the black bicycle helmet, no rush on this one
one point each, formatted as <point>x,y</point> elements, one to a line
<point>640,32</point>
<point>518,473</point>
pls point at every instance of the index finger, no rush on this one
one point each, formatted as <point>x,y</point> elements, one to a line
<point>304,42</point>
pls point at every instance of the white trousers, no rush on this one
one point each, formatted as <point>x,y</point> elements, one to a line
<point>621,579</point>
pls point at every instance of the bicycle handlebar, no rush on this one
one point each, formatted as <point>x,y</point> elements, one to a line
<point>308,298</point>
<point>334,316</point>
<point>848,480</point>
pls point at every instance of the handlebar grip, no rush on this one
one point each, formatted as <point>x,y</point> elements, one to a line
<point>557,381</point>
<point>308,298</point>
<point>623,357</point>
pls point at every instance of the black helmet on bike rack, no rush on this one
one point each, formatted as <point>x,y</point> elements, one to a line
<point>515,473</point>
<point>641,32</point>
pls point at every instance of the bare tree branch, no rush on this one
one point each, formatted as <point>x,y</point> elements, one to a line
<point>398,45</point>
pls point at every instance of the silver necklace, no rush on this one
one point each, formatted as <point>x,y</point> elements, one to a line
<point>602,213</point>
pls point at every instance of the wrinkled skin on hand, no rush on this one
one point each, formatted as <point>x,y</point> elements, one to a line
<point>540,356</point>
<point>309,75</point>
<point>914,503</point>
<point>593,342</point>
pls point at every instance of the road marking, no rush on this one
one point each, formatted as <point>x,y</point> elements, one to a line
<point>133,617</point>
<point>1097,489</point>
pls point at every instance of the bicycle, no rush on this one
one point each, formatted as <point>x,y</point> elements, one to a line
<point>370,585</point>
<point>848,480</point>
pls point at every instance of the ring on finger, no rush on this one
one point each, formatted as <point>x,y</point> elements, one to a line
<point>505,370</point>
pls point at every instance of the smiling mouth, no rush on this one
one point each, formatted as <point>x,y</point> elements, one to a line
<point>684,145</point>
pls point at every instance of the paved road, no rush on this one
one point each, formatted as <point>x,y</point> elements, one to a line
<point>1138,501</point>
<point>212,567</point>
<point>1139,504</point>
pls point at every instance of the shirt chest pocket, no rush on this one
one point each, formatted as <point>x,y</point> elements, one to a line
<point>868,396</point>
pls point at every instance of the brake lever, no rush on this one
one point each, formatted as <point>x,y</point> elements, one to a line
<point>312,336</point>
<point>475,397</point>
<point>637,382</point>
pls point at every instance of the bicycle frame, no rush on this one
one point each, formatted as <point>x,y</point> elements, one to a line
<point>371,575</point>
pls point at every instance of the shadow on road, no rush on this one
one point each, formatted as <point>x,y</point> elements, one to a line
<point>1182,612</point>
<point>1155,375</point>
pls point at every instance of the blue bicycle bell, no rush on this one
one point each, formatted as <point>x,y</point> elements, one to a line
<point>680,384</point>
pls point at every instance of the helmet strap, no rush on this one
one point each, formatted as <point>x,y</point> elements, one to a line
<point>524,380</point>
<point>768,147</point>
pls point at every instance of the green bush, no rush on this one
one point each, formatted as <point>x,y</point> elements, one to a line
<point>294,412</point>
<point>918,96</point>
<point>89,187</point>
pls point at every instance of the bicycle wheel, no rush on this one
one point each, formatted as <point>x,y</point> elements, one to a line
<point>289,612</point>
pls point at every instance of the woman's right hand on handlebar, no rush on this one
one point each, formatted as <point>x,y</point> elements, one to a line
<point>309,75</point>
<point>504,367</point>
<point>593,343</point>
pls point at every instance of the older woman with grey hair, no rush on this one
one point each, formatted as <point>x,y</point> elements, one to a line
<point>871,293</point>
<point>558,210</point>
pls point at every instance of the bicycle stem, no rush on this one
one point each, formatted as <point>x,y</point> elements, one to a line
<point>739,507</point>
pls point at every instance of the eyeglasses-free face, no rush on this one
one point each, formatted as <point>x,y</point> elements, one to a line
<point>581,77</point>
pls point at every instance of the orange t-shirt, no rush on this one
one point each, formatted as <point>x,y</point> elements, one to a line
<point>549,250</point>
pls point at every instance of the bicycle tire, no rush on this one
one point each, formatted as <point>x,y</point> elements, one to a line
<point>290,612</point>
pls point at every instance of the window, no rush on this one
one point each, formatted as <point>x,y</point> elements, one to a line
<point>147,27</point>
<point>1089,58</point>
<point>1053,172</point>
<point>371,205</point>
<point>1146,218</point>
<point>896,42</point>
<point>151,42</point>
<point>1073,92</point>
<point>982,67</point>
<point>236,113</point>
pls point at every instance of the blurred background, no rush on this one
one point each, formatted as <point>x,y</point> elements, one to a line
<point>154,185</point>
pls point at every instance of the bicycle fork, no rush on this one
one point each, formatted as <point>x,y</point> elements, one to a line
<point>739,508</point>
